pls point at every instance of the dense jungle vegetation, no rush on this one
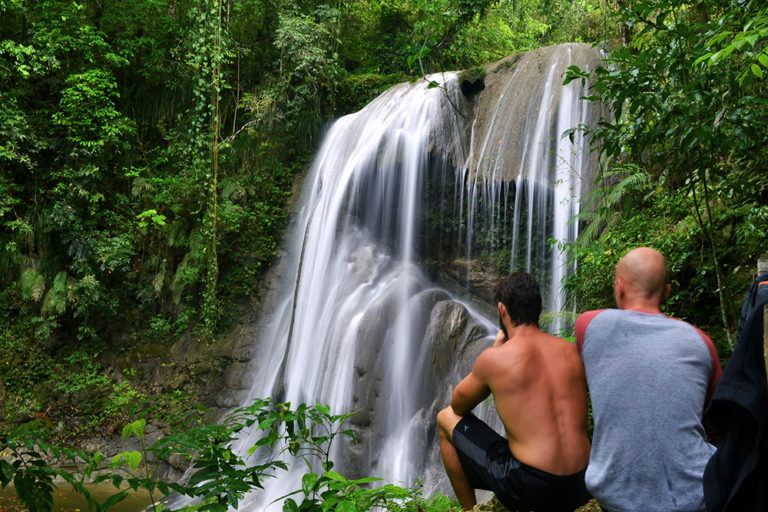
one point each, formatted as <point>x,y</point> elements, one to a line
<point>148,151</point>
<point>149,148</point>
<point>685,160</point>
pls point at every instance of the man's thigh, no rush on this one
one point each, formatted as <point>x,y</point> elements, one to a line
<point>488,464</point>
<point>482,452</point>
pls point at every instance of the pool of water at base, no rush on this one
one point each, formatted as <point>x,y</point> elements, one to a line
<point>65,499</point>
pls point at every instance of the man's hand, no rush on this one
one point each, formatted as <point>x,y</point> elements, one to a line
<point>501,338</point>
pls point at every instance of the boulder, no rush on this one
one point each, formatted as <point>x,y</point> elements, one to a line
<point>494,505</point>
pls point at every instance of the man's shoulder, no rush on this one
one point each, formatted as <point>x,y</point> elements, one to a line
<point>588,316</point>
<point>582,322</point>
<point>530,350</point>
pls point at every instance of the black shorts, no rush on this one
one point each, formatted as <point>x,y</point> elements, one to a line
<point>488,464</point>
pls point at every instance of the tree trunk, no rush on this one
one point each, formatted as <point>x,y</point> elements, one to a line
<point>624,33</point>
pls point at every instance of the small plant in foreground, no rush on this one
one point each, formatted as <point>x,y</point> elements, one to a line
<point>221,475</point>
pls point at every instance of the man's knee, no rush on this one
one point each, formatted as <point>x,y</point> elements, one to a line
<point>446,422</point>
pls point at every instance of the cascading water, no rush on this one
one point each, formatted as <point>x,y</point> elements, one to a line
<point>520,158</point>
<point>406,199</point>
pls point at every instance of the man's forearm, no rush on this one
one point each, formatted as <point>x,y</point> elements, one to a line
<point>466,397</point>
<point>458,409</point>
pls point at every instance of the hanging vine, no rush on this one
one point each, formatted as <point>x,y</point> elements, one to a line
<point>210,307</point>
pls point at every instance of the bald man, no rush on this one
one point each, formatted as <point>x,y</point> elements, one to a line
<point>649,377</point>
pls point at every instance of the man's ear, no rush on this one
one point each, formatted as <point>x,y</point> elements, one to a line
<point>618,291</point>
<point>502,310</point>
<point>667,292</point>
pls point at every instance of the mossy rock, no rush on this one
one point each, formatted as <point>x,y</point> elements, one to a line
<point>494,505</point>
<point>472,81</point>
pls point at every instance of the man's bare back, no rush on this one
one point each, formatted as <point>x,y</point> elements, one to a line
<point>540,392</point>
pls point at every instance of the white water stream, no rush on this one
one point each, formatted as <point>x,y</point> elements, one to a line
<point>359,323</point>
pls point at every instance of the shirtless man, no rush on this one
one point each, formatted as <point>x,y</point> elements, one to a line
<point>540,391</point>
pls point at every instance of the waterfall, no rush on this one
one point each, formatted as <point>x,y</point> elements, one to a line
<point>412,208</point>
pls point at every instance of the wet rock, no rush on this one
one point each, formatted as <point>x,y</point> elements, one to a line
<point>475,275</point>
<point>515,90</point>
<point>229,399</point>
<point>374,325</point>
<point>452,342</point>
<point>494,505</point>
<point>179,462</point>
<point>472,81</point>
<point>244,346</point>
<point>237,375</point>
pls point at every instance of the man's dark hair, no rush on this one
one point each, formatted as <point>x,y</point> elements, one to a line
<point>520,294</point>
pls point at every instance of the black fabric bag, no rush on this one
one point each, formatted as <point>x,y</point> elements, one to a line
<point>736,475</point>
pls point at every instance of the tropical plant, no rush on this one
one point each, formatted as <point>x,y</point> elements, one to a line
<point>277,436</point>
<point>688,123</point>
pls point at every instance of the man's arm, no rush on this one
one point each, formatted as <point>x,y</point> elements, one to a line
<point>580,329</point>
<point>473,389</point>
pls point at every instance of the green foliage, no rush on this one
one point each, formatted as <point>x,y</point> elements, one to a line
<point>107,193</point>
<point>29,464</point>
<point>148,151</point>
<point>747,40</point>
<point>55,301</point>
<point>220,477</point>
<point>88,115</point>
<point>684,154</point>
<point>32,285</point>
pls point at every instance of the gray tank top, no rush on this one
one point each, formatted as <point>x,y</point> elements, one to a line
<point>648,378</point>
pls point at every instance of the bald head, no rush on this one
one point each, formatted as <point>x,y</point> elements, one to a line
<point>641,276</point>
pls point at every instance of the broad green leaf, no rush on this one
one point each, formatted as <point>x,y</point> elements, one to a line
<point>702,58</point>
<point>290,505</point>
<point>365,480</point>
<point>6,472</point>
<point>136,428</point>
<point>335,476</point>
<point>739,41</point>
<point>757,70</point>
<point>330,501</point>
<point>722,54</point>
<point>346,506</point>
<point>203,475</point>
<point>308,482</point>
<point>133,458</point>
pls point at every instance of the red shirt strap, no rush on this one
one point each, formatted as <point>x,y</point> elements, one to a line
<point>581,326</point>
<point>717,370</point>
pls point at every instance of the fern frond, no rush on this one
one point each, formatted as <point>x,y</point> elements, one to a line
<point>159,279</point>
<point>601,204</point>
<point>590,232</point>
<point>630,183</point>
<point>32,285</point>
<point>177,234</point>
<point>70,290</point>
<point>55,301</point>
<point>231,189</point>
<point>141,187</point>
<point>181,278</point>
